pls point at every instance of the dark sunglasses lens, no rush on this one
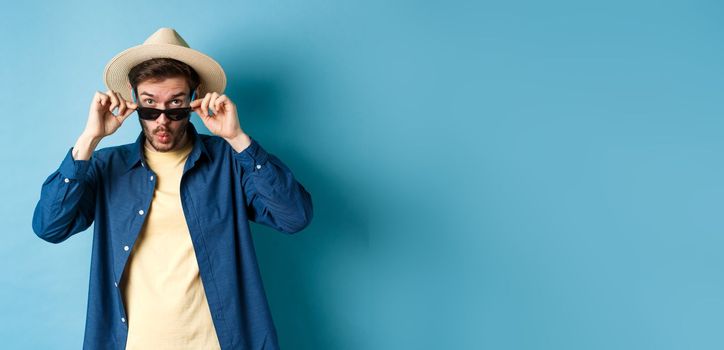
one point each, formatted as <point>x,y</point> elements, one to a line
<point>147,114</point>
<point>173,114</point>
<point>177,114</point>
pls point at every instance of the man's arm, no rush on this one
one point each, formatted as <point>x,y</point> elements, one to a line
<point>273,196</point>
<point>85,146</point>
<point>67,201</point>
<point>67,197</point>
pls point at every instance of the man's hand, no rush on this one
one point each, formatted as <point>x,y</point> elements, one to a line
<point>224,122</point>
<point>101,121</point>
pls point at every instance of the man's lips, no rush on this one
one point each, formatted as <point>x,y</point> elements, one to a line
<point>163,136</point>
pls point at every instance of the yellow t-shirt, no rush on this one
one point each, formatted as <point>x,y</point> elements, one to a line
<point>165,301</point>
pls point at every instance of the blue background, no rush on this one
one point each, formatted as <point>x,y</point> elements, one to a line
<point>518,175</point>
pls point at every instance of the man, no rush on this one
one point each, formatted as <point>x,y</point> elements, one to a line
<point>173,263</point>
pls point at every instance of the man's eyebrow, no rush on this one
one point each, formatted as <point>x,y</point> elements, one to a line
<point>176,95</point>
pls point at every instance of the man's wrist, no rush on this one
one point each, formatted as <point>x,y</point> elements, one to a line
<point>240,142</point>
<point>84,147</point>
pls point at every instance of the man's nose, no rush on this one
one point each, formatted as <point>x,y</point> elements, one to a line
<point>163,119</point>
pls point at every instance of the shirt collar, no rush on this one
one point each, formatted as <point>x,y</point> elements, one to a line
<point>136,155</point>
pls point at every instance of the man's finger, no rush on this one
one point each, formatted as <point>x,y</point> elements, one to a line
<point>130,108</point>
<point>114,101</point>
<point>196,106</point>
<point>121,104</point>
<point>96,99</point>
<point>101,99</point>
<point>212,102</point>
<point>220,101</point>
<point>120,101</point>
<point>205,105</point>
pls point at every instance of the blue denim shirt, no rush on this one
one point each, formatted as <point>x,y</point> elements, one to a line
<point>221,190</point>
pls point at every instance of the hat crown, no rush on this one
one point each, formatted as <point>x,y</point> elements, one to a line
<point>165,42</point>
<point>166,36</point>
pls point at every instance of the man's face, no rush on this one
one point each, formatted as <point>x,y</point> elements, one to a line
<point>164,134</point>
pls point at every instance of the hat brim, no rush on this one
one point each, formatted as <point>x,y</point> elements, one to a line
<point>115,74</point>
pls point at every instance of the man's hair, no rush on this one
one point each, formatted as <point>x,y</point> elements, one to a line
<point>158,69</point>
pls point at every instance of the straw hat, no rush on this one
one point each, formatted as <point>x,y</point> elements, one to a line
<point>165,42</point>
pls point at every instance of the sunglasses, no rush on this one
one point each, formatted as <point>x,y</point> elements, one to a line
<point>175,114</point>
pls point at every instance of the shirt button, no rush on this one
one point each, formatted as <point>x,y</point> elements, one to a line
<point>123,319</point>
<point>126,248</point>
<point>66,180</point>
<point>115,283</point>
<point>258,166</point>
<point>151,177</point>
<point>140,212</point>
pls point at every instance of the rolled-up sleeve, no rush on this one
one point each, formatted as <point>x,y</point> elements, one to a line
<point>274,197</point>
<point>67,201</point>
